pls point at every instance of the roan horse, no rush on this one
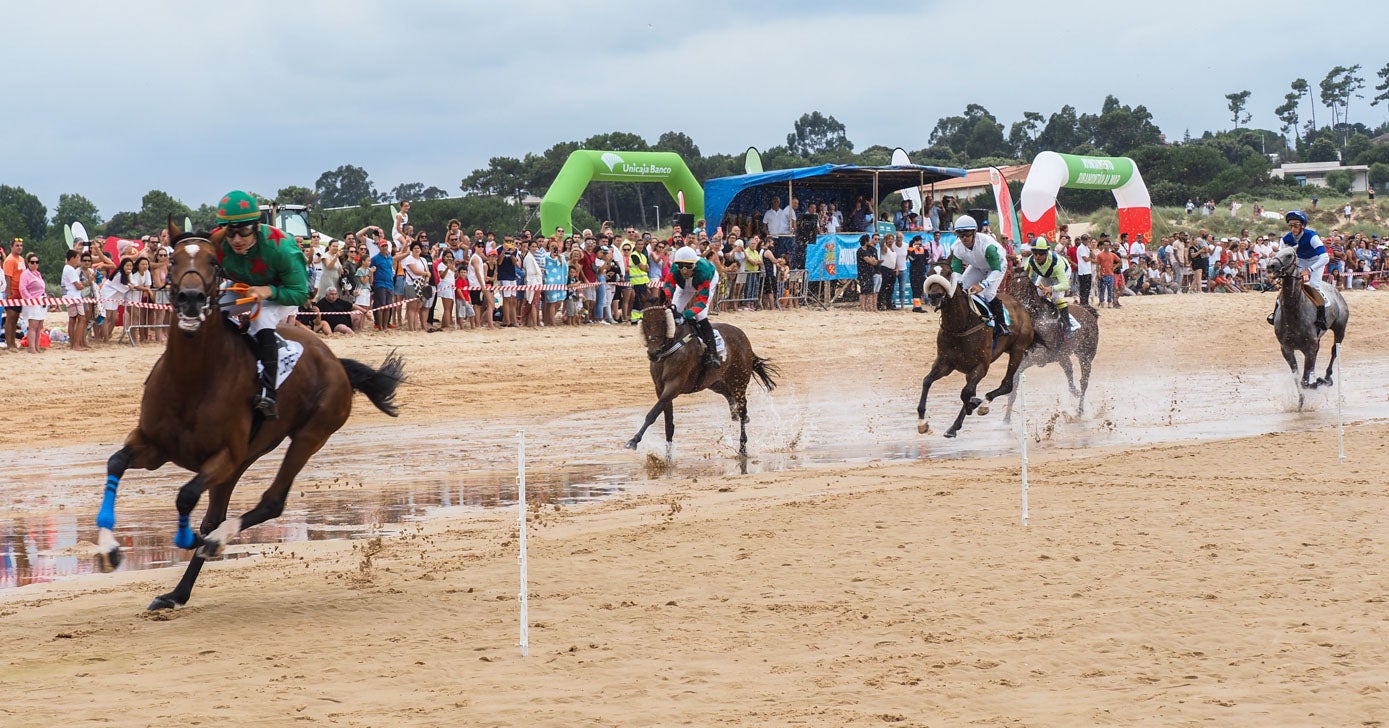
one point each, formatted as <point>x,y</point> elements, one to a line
<point>1295,321</point>
<point>1049,345</point>
<point>966,344</point>
<point>677,368</point>
<point>196,413</point>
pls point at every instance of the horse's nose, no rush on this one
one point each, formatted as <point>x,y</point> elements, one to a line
<point>189,298</point>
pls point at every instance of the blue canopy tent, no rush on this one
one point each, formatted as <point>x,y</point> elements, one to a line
<point>842,184</point>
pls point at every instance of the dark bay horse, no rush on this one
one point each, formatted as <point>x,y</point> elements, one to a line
<point>966,344</point>
<point>1048,344</point>
<point>1295,321</point>
<point>676,353</point>
<point>196,413</point>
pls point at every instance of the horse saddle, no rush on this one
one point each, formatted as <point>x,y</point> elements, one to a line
<point>290,353</point>
<point>1314,294</point>
<point>981,307</point>
<point>719,348</point>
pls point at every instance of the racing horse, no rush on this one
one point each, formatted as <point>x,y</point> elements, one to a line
<point>966,344</point>
<point>1295,321</point>
<point>1049,344</point>
<point>676,356</point>
<point>196,412</point>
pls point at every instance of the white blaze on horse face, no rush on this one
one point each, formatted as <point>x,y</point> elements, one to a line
<point>190,249</point>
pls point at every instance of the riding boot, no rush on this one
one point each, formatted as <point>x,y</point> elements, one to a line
<point>268,351</point>
<point>1000,322</point>
<point>706,334</point>
<point>1064,316</point>
<point>1321,319</point>
<point>1275,313</point>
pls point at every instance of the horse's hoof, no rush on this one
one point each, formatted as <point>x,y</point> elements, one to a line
<point>109,561</point>
<point>949,433</point>
<point>210,548</point>
<point>164,601</point>
<point>631,444</point>
<point>923,427</point>
<point>982,409</point>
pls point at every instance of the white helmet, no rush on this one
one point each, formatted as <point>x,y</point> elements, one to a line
<point>965,222</point>
<point>685,255</point>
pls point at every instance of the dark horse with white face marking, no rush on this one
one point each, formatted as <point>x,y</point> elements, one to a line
<point>677,368</point>
<point>196,412</point>
<point>966,344</point>
<point>1294,323</point>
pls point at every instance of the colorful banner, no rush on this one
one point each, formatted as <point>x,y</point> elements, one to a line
<point>835,257</point>
<point>1007,217</point>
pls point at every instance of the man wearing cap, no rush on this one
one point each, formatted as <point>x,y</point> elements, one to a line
<point>688,286</point>
<point>1052,277</point>
<point>976,262</point>
<point>267,260</point>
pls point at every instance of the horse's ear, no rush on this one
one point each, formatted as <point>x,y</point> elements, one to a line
<point>217,237</point>
<point>174,232</point>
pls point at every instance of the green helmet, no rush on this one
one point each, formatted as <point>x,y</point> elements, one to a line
<point>237,207</point>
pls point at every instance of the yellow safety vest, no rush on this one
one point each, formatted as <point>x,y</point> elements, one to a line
<point>637,276</point>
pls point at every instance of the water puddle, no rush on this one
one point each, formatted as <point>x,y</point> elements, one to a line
<point>370,480</point>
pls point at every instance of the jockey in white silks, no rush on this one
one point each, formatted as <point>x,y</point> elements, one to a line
<point>977,262</point>
<point>1311,257</point>
<point>1051,274</point>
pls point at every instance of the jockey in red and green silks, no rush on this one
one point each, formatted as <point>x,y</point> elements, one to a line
<point>689,284</point>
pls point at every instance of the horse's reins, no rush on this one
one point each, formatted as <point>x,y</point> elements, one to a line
<point>674,346</point>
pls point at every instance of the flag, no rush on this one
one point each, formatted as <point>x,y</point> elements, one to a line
<point>1007,218</point>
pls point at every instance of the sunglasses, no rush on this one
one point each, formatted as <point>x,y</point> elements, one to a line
<point>35,261</point>
<point>684,265</point>
<point>244,230</point>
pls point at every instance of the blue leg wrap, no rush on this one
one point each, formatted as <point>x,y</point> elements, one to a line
<point>106,517</point>
<point>184,537</point>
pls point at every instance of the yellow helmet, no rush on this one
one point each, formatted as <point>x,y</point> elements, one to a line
<point>1040,244</point>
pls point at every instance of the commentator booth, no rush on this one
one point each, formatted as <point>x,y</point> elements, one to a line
<point>743,199</point>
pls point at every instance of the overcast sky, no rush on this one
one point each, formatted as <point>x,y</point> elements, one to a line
<point>111,100</point>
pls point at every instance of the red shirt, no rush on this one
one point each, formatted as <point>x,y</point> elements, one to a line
<point>1106,262</point>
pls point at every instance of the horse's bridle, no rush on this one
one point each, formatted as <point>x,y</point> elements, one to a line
<point>675,345</point>
<point>210,288</point>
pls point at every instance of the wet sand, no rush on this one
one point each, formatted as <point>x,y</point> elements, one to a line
<point>1181,566</point>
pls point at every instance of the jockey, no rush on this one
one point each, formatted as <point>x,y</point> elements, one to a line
<point>270,263</point>
<point>1052,276</point>
<point>688,285</point>
<point>1311,257</point>
<point>976,262</point>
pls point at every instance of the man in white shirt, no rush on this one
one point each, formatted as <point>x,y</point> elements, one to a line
<point>1085,269</point>
<point>887,267</point>
<point>778,219</point>
<point>834,219</point>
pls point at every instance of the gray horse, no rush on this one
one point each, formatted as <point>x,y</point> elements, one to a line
<point>1295,320</point>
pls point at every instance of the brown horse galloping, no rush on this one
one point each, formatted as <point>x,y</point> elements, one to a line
<point>676,355</point>
<point>196,413</point>
<point>966,344</point>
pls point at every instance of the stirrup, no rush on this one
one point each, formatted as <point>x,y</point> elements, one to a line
<point>266,406</point>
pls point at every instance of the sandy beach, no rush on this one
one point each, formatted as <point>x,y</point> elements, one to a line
<point>1195,554</point>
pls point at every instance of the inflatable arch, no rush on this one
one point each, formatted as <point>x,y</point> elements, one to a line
<point>584,166</point>
<point>1051,171</point>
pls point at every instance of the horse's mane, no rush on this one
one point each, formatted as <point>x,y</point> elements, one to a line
<point>942,281</point>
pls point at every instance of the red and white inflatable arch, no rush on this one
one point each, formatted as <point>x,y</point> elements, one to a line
<point>1051,171</point>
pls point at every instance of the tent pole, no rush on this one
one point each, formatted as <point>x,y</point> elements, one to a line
<point>877,214</point>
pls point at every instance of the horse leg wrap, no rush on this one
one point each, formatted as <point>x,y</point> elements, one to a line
<point>106,517</point>
<point>183,538</point>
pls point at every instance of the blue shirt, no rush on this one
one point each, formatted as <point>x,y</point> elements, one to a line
<point>384,276</point>
<point>1309,244</point>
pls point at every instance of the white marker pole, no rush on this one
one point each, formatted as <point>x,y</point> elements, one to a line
<point>1340,423</point>
<point>521,526</point>
<point>1022,417</point>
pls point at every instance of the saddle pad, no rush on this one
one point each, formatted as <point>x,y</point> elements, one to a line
<point>290,351</point>
<point>1075,324</point>
<point>981,307</point>
<point>719,347</point>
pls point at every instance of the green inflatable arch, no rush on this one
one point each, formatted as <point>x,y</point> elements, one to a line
<point>585,165</point>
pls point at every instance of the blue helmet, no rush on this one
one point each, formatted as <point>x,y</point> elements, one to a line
<point>1295,215</point>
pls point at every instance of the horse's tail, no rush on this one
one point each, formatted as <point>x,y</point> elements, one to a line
<point>378,385</point>
<point>764,370</point>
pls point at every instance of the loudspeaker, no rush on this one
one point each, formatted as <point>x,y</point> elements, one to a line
<point>980,216</point>
<point>685,220</point>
